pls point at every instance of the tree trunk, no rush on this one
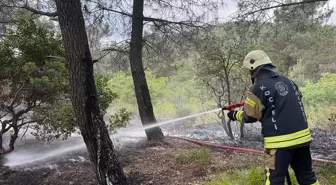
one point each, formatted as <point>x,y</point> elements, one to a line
<point>14,136</point>
<point>84,96</point>
<point>229,101</point>
<point>242,131</point>
<point>3,127</point>
<point>227,127</point>
<point>1,146</point>
<point>139,79</point>
<point>2,150</point>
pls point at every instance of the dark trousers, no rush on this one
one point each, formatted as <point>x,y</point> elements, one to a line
<point>278,161</point>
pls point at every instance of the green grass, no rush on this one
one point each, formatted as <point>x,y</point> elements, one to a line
<point>326,174</point>
<point>252,176</point>
<point>255,176</point>
<point>201,157</point>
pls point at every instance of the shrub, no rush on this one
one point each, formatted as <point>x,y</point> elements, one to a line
<point>119,119</point>
<point>321,93</point>
<point>175,96</point>
<point>320,99</point>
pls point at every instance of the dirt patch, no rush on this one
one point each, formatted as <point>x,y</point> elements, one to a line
<point>324,143</point>
<point>71,174</point>
<point>155,163</point>
<point>148,163</point>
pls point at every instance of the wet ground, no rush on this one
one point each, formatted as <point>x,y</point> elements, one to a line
<point>323,144</point>
<point>56,163</point>
<point>146,163</point>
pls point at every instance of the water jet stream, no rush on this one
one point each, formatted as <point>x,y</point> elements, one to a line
<point>35,154</point>
<point>179,119</point>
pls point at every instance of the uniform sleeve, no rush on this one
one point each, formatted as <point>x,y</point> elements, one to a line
<point>298,89</point>
<point>253,109</point>
<point>300,93</point>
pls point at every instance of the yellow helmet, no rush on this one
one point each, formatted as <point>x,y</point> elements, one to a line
<point>255,59</point>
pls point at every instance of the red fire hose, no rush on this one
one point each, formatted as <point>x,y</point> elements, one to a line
<point>203,143</point>
<point>233,106</point>
<point>199,142</point>
<point>229,108</point>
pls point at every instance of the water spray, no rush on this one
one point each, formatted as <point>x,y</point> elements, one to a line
<point>178,119</point>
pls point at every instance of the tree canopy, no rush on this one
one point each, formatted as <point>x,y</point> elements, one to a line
<point>35,86</point>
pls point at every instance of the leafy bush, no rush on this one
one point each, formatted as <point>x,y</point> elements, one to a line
<point>201,157</point>
<point>105,95</point>
<point>321,93</point>
<point>37,85</point>
<point>297,74</point>
<point>174,96</point>
<point>119,119</point>
<point>320,99</point>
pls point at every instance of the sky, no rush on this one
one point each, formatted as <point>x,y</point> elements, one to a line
<point>332,20</point>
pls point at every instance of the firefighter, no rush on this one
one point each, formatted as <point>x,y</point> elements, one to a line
<point>275,101</point>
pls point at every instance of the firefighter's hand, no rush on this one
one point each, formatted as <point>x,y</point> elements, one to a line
<point>232,115</point>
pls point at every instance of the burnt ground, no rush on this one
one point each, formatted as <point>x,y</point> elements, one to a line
<point>146,163</point>
<point>155,163</point>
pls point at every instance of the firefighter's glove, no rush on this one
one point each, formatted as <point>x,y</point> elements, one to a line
<point>232,115</point>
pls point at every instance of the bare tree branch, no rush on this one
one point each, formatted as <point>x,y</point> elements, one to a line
<point>115,11</point>
<point>116,49</point>
<point>30,9</point>
<point>39,12</point>
<point>21,112</point>
<point>8,21</point>
<point>56,57</point>
<point>16,95</point>
<point>151,19</point>
<point>214,90</point>
<point>7,129</point>
<point>7,121</point>
<point>24,133</point>
<point>184,23</point>
<point>25,123</point>
<point>284,5</point>
<point>3,114</point>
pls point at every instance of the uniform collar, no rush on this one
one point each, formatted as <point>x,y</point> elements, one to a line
<point>265,71</point>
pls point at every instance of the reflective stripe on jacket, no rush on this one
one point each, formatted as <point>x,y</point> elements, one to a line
<point>275,101</point>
